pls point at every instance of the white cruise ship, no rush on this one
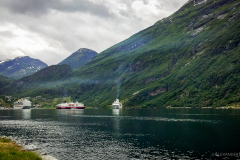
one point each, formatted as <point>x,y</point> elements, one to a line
<point>22,104</point>
<point>117,105</point>
<point>70,105</point>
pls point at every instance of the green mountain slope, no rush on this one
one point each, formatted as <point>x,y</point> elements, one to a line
<point>45,82</point>
<point>188,59</point>
<point>4,81</point>
<point>79,58</point>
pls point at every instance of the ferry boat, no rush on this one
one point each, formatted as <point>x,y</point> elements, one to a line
<point>22,104</point>
<point>70,105</point>
<point>117,105</point>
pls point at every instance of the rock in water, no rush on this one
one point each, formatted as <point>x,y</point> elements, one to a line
<point>31,147</point>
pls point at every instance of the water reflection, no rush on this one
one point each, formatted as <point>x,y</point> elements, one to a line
<point>26,113</point>
<point>76,112</point>
<point>116,120</point>
<point>17,113</point>
<point>71,112</point>
<point>116,112</point>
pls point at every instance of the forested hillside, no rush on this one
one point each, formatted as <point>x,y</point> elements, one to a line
<point>4,81</point>
<point>47,82</point>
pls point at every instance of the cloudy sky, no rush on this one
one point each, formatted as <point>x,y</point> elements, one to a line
<point>51,30</point>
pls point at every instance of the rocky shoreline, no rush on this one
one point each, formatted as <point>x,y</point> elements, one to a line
<point>30,147</point>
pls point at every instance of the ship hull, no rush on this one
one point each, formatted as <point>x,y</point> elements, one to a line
<point>26,107</point>
<point>117,107</point>
<point>70,107</point>
<point>17,107</point>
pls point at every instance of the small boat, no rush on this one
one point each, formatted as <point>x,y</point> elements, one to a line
<point>117,105</point>
<point>70,105</point>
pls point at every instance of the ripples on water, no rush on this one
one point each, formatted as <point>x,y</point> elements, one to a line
<point>109,135</point>
<point>76,142</point>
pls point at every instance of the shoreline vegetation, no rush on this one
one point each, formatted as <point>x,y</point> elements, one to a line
<point>168,107</point>
<point>10,149</point>
<point>51,104</point>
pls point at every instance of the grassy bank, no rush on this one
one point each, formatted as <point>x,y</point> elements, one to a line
<point>11,151</point>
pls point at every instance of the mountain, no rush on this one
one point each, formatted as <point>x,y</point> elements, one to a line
<point>79,58</point>
<point>47,81</point>
<point>189,59</point>
<point>4,81</point>
<point>20,67</point>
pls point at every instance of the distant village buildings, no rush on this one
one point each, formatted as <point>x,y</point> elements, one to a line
<point>9,98</point>
<point>38,97</point>
<point>37,106</point>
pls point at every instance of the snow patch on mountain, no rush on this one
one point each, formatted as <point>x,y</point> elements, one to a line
<point>2,62</point>
<point>198,2</point>
<point>20,66</point>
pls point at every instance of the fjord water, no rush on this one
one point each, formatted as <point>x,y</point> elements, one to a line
<point>126,134</point>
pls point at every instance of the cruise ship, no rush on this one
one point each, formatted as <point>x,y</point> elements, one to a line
<point>70,105</point>
<point>117,105</point>
<point>22,104</point>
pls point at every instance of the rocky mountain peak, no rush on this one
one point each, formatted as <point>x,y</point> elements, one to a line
<point>20,66</point>
<point>79,58</point>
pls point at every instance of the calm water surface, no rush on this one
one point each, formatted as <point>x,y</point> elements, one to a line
<point>126,134</point>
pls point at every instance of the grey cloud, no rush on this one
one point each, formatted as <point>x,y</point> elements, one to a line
<point>83,6</point>
<point>173,4</point>
<point>26,6</point>
<point>145,1</point>
<point>6,34</point>
<point>75,24</point>
<point>40,7</point>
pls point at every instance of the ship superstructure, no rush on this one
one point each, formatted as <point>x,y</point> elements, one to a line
<point>117,105</point>
<point>22,103</point>
<point>70,105</point>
